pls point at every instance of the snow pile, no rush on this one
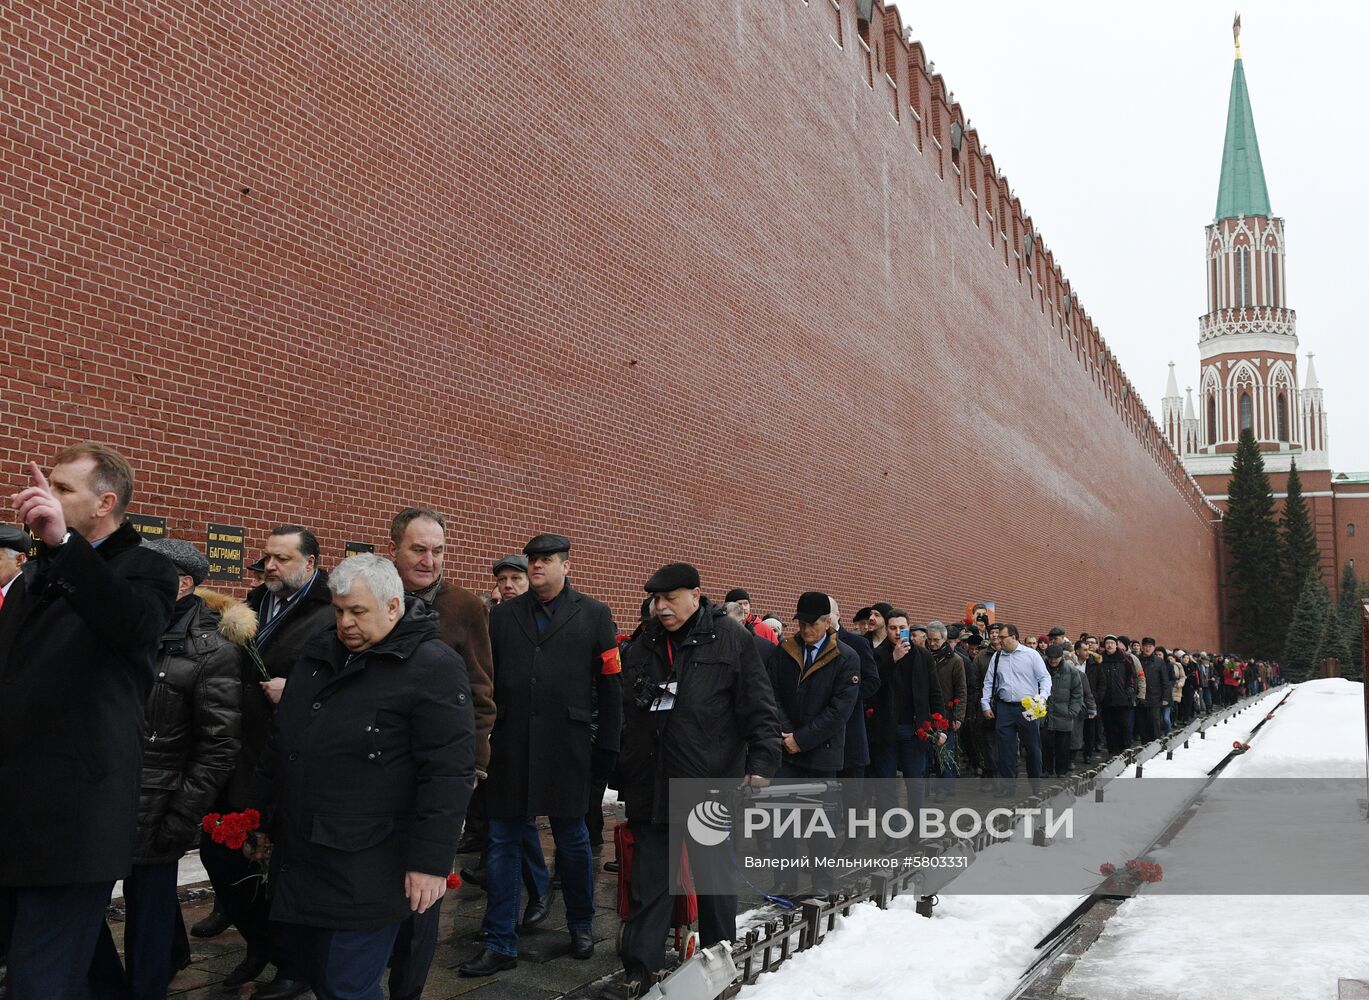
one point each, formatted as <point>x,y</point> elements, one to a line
<point>975,947</point>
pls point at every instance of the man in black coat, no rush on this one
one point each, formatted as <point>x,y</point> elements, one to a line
<point>366,777</point>
<point>555,651</point>
<point>697,703</point>
<point>193,719</point>
<point>77,646</point>
<point>294,608</point>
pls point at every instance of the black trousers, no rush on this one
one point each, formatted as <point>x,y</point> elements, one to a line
<point>1055,751</point>
<point>239,893</point>
<point>153,934</point>
<point>412,955</point>
<point>1115,727</point>
<point>650,905</point>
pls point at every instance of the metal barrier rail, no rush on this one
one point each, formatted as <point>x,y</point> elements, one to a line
<point>765,947</point>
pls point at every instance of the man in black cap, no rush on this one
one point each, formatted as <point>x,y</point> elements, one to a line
<point>14,550</point>
<point>752,622</point>
<point>511,576</point>
<point>816,678</point>
<point>721,725</point>
<point>555,651</point>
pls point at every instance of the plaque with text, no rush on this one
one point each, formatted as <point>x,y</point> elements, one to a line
<point>350,549</point>
<point>224,548</point>
<point>148,525</point>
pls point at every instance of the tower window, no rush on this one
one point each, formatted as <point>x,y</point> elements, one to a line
<point>1274,277</point>
<point>1242,276</point>
<point>1281,417</point>
<point>1350,529</point>
<point>1211,419</point>
<point>1247,418</point>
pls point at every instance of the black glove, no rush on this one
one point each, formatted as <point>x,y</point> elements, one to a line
<point>601,765</point>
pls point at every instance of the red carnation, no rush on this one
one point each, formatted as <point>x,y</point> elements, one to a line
<point>453,881</point>
<point>209,822</point>
<point>1235,744</point>
<point>1107,870</point>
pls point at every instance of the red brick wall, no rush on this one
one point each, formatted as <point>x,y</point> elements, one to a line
<point>669,278</point>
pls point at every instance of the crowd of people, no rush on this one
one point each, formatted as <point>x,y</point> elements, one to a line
<point>344,727</point>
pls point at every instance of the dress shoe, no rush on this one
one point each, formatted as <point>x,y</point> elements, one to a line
<point>245,971</point>
<point>611,866</point>
<point>581,944</point>
<point>487,963</point>
<point>281,989</point>
<point>214,924</point>
<point>538,909</point>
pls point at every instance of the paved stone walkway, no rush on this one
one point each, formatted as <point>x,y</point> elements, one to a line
<point>545,969</point>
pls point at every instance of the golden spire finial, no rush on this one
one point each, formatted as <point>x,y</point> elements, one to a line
<point>1236,33</point>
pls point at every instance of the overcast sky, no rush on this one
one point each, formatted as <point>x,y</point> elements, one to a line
<point>1108,121</point>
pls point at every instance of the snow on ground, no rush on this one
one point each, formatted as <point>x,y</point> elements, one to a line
<point>973,947</point>
<point>977,946</point>
<point>1277,946</point>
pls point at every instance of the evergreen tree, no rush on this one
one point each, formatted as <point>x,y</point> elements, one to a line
<point>1255,586</point>
<point>1351,620</point>
<point>1333,644</point>
<point>1306,634</point>
<point>1301,554</point>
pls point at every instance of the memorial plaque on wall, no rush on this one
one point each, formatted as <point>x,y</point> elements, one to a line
<point>350,549</point>
<point>224,549</point>
<point>148,525</point>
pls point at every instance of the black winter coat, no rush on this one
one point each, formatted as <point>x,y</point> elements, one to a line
<point>77,645</point>
<point>1116,681</point>
<point>881,726</point>
<point>542,750</point>
<point>857,742</point>
<point>723,724</point>
<point>193,724</point>
<point>1159,679</point>
<point>303,622</point>
<point>917,692</point>
<point>815,703</point>
<point>367,774</point>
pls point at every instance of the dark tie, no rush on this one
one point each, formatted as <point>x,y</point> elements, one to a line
<point>810,656</point>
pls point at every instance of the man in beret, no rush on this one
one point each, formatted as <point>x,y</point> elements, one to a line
<point>78,642</point>
<point>555,653</point>
<point>14,551</point>
<point>721,725</point>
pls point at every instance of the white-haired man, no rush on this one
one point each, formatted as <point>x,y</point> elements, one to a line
<point>369,769</point>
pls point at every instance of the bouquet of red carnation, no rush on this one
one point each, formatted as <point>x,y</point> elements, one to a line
<point>231,830</point>
<point>945,756</point>
<point>1135,871</point>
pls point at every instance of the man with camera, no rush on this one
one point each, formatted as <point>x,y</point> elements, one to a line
<point>697,704</point>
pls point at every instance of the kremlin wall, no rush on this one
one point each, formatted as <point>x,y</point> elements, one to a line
<point>724,282</point>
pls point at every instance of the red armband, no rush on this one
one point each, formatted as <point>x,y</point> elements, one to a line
<point>610,662</point>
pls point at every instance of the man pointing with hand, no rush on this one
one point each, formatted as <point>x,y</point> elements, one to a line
<point>77,646</point>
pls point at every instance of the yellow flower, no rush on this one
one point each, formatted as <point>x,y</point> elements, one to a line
<point>1027,702</point>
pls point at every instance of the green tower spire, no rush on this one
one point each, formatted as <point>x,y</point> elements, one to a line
<point>1242,190</point>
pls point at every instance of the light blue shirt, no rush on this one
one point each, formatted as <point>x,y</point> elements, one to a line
<point>1020,674</point>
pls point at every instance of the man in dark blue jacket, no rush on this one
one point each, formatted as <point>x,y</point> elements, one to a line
<point>816,678</point>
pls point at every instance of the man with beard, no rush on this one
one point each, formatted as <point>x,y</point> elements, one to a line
<point>294,608</point>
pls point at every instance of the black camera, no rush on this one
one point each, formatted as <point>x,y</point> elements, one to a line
<point>645,693</point>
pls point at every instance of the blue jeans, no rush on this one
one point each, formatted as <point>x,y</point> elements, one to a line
<point>1012,722</point>
<point>509,839</point>
<point>1165,723</point>
<point>348,965</point>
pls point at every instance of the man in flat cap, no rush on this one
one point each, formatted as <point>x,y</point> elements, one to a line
<point>555,652</point>
<point>721,725</point>
<point>190,745</point>
<point>14,550</point>
<point>511,576</point>
<point>78,642</point>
